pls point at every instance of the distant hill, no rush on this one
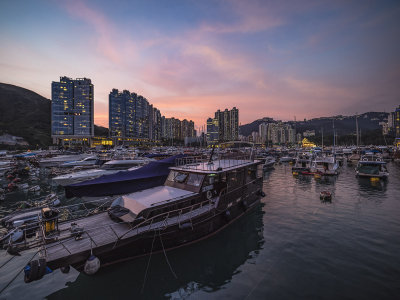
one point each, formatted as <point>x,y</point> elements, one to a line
<point>344,125</point>
<point>26,114</point>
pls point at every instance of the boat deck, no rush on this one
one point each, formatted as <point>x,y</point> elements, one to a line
<point>100,230</point>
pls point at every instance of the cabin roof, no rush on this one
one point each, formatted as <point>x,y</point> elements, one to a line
<point>138,201</point>
<point>215,166</point>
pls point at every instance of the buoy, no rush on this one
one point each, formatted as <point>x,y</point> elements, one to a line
<point>92,265</point>
<point>227,215</point>
<point>245,205</point>
<point>295,173</point>
<point>317,176</point>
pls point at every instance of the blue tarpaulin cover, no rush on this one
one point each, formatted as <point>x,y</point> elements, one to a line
<point>124,182</point>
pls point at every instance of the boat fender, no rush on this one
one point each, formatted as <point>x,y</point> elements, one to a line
<point>65,269</point>
<point>261,193</point>
<point>245,204</point>
<point>92,265</point>
<point>209,195</point>
<point>185,226</point>
<point>227,215</point>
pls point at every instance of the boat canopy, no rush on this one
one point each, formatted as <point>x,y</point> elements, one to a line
<point>124,182</point>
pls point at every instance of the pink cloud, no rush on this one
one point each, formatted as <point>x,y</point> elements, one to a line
<point>106,34</point>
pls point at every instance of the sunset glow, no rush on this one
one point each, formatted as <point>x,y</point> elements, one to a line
<point>279,59</point>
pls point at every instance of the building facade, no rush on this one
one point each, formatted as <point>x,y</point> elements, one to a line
<point>132,119</point>
<point>72,110</point>
<point>227,124</point>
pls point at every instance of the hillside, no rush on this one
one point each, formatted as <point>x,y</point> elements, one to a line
<point>26,114</point>
<point>344,125</point>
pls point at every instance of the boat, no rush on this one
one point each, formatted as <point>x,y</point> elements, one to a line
<point>269,162</point>
<point>325,165</point>
<point>88,161</point>
<point>60,159</point>
<point>286,159</point>
<point>325,196</point>
<point>303,163</point>
<point>152,174</point>
<point>110,167</point>
<point>373,166</point>
<point>198,199</point>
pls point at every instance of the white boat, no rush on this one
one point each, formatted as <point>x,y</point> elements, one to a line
<point>325,165</point>
<point>110,167</point>
<point>60,159</point>
<point>88,161</point>
<point>371,165</point>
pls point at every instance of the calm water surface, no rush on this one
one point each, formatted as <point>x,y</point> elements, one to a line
<point>292,246</point>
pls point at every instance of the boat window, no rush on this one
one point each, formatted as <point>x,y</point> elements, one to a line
<point>172,175</point>
<point>195,179</point>
<point>211,179</point>
<point>176,176</point>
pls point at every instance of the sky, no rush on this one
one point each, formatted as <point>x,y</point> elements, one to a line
<point>280,59</point>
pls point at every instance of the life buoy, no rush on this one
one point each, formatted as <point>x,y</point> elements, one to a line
<point>378,159</point>
<point>365,159</point>
<point>209,195</point>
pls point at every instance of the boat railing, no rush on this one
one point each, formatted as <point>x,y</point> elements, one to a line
<point>218,161</point>
<point>159,221</point>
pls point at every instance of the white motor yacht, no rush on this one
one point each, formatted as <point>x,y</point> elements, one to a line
<point>60,159</point>
<point>371,165</point>
<point>88,161</point>
<point>325,165</point>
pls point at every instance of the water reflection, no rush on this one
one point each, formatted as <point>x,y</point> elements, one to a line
<point>368,185</point>
<point>207,265</point>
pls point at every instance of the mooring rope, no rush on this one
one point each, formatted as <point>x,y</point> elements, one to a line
<point>148,263</point>
<point>15,277</point>
<point>165,254</point>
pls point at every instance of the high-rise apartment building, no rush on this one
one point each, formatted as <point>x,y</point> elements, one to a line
<point>227,124</point>
<point>397,122</point>
<point>72,110</point>
<point>133,118</point>
<point>130,116</point>
<point>212,131</point>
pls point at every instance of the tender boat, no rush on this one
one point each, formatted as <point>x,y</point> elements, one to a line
<point>371,165</point>
<point>198,199</point>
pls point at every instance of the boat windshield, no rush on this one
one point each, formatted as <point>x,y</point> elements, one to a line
<point>195,179</point>
<point>179,177</point>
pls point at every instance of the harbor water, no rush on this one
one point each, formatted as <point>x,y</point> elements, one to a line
<point>291,246</point>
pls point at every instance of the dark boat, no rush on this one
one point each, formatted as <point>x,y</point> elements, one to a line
<point>198,199</point>
<point>151,175</point>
